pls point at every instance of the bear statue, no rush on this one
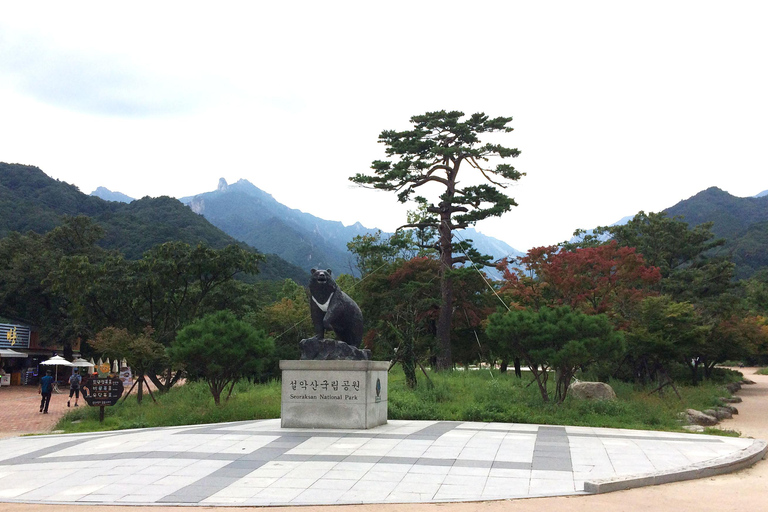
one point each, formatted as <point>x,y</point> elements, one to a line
<point>332,309</point>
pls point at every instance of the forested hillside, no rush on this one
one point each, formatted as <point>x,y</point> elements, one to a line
<point>741,221</point>
<point>32,201</point>
<point>249,214</point>
<point>255,217</point>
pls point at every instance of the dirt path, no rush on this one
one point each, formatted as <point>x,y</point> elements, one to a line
<point>745,490</point>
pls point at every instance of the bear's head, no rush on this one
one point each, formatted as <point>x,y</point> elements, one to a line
<point>321,279</point>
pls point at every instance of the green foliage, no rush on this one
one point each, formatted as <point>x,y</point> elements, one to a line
<point>141,352</point>
<point>31,201</point>
<point>429,155</point>
<point>190,404</point>
<point>220,349</point>
<point>663,331</point>
<point>28,268</point>
<point>560,339</point>
<point>491,396</point>
<point>287,321</point>
<point>456,396</point>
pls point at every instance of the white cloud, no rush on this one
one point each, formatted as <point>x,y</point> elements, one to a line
<point>617,107</point>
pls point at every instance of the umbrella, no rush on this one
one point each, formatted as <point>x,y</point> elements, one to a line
<point>80,362</point>
<point>57,361</point>
<point>7,352</point>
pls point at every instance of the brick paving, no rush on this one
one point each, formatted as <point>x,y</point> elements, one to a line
<point>19,411</point>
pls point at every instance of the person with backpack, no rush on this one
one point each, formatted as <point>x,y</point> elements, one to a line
<point>74,387</point>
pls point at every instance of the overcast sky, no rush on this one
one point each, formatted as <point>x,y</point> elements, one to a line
<point>617,106</point>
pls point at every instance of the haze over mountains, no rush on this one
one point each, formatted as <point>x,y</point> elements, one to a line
<point>295,241</point>
<point>253,216</point>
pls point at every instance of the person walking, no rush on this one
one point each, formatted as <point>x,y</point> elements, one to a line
<point>45,390</point>
<point>74,387</point>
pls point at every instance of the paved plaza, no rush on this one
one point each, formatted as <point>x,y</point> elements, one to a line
<point>258,463</point>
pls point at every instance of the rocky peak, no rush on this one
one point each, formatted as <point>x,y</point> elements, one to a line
<point>222,185</point>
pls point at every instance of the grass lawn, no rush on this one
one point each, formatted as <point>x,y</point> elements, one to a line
<point>460,395</point>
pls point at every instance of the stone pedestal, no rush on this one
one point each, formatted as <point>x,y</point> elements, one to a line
<point>334,394</point>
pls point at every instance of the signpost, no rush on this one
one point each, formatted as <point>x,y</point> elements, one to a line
<point>102,392</point>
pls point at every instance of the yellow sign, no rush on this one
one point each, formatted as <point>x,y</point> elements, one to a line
<point>104,368</point>
<point>11,336</point>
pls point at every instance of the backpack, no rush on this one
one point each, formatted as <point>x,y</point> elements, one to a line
<point>74,381</point>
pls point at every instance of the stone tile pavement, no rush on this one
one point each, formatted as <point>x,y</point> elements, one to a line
<point>257,463</point>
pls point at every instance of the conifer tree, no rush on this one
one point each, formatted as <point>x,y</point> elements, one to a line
<point>430,155</point>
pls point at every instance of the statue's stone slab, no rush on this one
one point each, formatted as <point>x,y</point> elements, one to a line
<point>334,394</point>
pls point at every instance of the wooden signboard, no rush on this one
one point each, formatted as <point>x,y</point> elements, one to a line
<point>102,392</point>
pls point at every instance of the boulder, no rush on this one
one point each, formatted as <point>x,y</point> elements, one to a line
<point>747,382</point>
<point>331,350</point>
<point>732,400</point>
<point>733,387</point>
<point>693,428</point>
<point>731,409</point>
<point>719,412</point>
<point>592,391</point>
<point>695,417</point>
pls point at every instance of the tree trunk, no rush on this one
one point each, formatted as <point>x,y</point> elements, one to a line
<point>503,367</point>
<point>444,359</point>
<point>408,360</point>
<point>518,370</point>
<point>541,382</point>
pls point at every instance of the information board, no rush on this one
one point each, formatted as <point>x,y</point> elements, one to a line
<point>103,391</point>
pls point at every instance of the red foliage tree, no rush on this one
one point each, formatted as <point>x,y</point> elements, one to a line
<point>604,279</point>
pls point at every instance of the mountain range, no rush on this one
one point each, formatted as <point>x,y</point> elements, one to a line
<point>253,216</point>
<point>32,201</point>
<point>295,241</point>
<point>741,221</point>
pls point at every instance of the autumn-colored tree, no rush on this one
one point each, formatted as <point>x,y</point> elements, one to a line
<point>603,279</point>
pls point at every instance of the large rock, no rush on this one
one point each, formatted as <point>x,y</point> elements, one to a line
<point>719,412</point>
<point>592,391</point>
<point>328,350</point>
<point>695,417</point>
<point>733,387</point>
<point>732,400</point>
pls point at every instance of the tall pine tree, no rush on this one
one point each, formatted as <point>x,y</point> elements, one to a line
<point>432,154</point>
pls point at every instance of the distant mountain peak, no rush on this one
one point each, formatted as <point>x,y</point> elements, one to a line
<point>222,185</point>
<point>108,195</point>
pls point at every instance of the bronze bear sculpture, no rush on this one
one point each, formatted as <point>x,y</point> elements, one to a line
<point>332,309</point>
